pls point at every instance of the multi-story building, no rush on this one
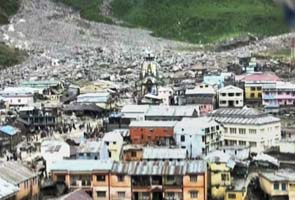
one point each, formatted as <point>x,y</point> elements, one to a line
<point>18,96</point>
<point>279,94</point>
<point>278,184</point>
<point>20,176</point>
<point>248,127</point>
<point>253,84</point>
<point>230,96</point>
<point>136,180</point>
<point>114,142</point>
<point>132,152</point>
<point>149,132</point>
<point>198,135</point>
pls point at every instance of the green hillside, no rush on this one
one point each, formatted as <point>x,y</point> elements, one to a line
<point>202,20</point>
<point>7,8</point>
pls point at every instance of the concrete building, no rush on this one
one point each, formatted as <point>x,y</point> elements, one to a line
<point>114,142</point>
<point>92,150</point>
<point>18,96</point>
<point>152,132</point>
<point>278,184</point>
<point>198,135</point>
<point>230,96</point>
<point>54,150</point>
<point>166,94</point>
<point>21,177</point>
<point>134,112</point>
<point>248,127</point>
<point>278,94</point>
<point>253,84</point>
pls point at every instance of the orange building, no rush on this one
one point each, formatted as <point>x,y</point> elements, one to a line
<point>152,132</point>
<point>132,152</point>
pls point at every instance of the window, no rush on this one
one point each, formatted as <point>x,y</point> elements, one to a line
<point>238,94</point>
<point>133,154</point>
<point>233,130</point>
<point>121,195</point>
<point>252,95</point>
<point>253,144</point>
<point>252,88</point>
<point>224,177</point>
<point>230,94</point>
<point>194,194</point>
<point>100,178</point>
<point>231,196</point>
<point>252,131</point>
<point>225,130</point>
<point>120,178</point>
<point>276,186</point>
<point>242,143</point>
<point>193,178</point>
<point>88,154</point>
<point>222,102</point>
<point>284,186</point>
<point>19,100</point>
<point>107,143</point>
<point>242,131</point>
<point>182,138</point>
<point>101,194</point>
<point>114,142</point>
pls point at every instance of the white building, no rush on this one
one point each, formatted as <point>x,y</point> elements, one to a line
<point>114,142</point>
<point>198,135</point>
<point>166,94</point>
<point>134,112</point>
<point>230,96</point>
<point>18,96</point>
<point>54,150</point>
<point>248,127</point>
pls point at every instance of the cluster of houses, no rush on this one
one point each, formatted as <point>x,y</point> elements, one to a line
<point>214,139</point>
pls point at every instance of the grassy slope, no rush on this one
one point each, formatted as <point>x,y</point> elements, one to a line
<point>202,20</point>
<point>9,56</point>
<point>89,9</point>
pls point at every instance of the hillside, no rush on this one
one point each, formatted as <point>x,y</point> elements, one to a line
<point>7,8</point>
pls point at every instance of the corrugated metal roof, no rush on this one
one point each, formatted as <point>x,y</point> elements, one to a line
<point>101,97</point>
<point>7,189</point>
<point>8,130</point>
<point>90,147</point>
<point>15,173</point>
<point>163,110</point>
<point>160,167</point>
<point>82,165</point>
<point>163,153</point>
<point>242,116</point>
<point>281,175</point>
<point>169,124</point>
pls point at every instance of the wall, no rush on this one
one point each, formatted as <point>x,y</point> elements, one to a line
<point>267,187</point>
<point>239,195</point>
<point>142,135</point>
<point>200,186</point>
<point>127,155</point>
<point>19,101</point>
<point>28,189</point>
<point>124,186</point>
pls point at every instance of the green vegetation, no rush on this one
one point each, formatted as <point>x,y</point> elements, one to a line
<point>89,9</point>
<point>7,8</point>
<point>202,21</point>
<point>10,56</point>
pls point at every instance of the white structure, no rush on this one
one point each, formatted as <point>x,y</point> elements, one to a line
<point>248,127</point>
<point>230,96</point>
<point>166,94</point>
<point>114,142</point>
<point>92,150</point>
<point>287,146</point>
<point>198,135</point>
<point>54,150</point>
<point>18,96</point>
<point>134,112</point>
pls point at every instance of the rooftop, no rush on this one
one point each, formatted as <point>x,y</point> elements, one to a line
<point>259,77</point>
<point>8,130</point>
<point>169,124</point>
<point>18,91</point>
<point>201,90</point>
<point>242,116</point>
<point>280,175</point>
<point>90,147</point>
<point>230,88</point>
<point>163,110</point>
<point>52,146</point>
<point>7,189</point>
<point>135,108</point>
<point>160,167</point>
<point>163,153</point>
<point>100,97</point>
<point>9,173</point>
<point>113,136</point>
<point>82,165</point>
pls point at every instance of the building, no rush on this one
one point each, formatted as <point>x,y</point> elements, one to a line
<point>230,96</point>
<point>149,75</point>
<point>7,190</point>
<point>132,152</point>
<point>214,80</point>
<point>278,94</point>
<point>164,179</point>
<point>238,191</point>
<point>102,99</point>
<point>166,94</point>
<point>9,137</point>
<point>18,96</point>
<point>278,184</point>
<point>203,95</point>
<point>171,113</point>
<point>253,84</point>
<point>134,180</point>
<point>134,112</point>
<point>39,117</point>
<point>152,132</point>
<point>248,127</point>
<point>92,150</point>
<point>54,150</point>
<point>21,177</point>
<point>91,175</point>
<point>198,135</point>
<point>114,143</point>
<point>156,153</point>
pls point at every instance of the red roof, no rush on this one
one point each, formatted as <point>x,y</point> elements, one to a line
<point>266,76</point>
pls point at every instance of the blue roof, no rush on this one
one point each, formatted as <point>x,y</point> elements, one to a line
<point>82,165</point>
<point>9,130</point>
